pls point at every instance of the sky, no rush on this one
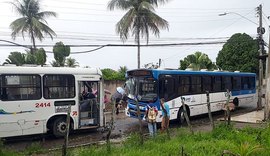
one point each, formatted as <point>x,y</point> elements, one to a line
<point>89,22</point>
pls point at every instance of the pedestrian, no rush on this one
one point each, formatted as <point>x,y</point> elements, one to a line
<point>151,114</point>
<point>118,97</point>
<point>165,114</point>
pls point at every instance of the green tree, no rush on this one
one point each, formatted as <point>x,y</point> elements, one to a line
<point>121,72</point>
<point>30,58</point>
<point>55,64</point>
<point>71,62</point>
<point>240,53</point>
<point>32,21</point>
<point>197,61</point>
<point>60,52</point>
<point>109,74</point>
<point>139,19</point>
<point>41,57</point>
<point>16,58</point>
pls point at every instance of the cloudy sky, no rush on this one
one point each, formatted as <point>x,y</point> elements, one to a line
<point>89,22</point>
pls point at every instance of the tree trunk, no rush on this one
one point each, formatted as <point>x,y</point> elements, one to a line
<point>139,48</point>
<point>64,153</point>
<point>186,115</point>
<point>209,110</point>
<point>33,41</point>
<point>111,127</point>
<point>140,121</point>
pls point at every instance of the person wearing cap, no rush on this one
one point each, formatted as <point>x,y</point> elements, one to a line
<point>118,96</point>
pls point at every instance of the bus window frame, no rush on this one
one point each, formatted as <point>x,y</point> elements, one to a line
<point>46,86</point>
<point>35,86</point>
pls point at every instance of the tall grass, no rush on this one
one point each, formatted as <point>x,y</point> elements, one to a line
<point>243,142</point>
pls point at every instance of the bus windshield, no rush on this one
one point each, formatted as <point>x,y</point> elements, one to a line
<point>145,89</point>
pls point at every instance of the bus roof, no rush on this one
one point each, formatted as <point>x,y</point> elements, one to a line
<point>49,70</point>
<point>157,72</point>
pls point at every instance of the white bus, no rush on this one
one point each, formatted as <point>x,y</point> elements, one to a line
<point>150,85</point>
<point>35,100</point>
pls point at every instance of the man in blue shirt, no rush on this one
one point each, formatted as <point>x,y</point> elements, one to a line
<point>165,114</point>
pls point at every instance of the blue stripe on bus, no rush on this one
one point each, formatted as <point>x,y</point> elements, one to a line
<point>157,72</point>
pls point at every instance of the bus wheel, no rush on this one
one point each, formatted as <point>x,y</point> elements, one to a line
<point>236,102</point>
<point>181,116</point>
<point>59,127</point>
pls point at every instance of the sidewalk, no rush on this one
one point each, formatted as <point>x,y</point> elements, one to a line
<point>251,117</point>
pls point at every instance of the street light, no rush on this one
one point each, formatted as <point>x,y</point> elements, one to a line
<point>226,13</point>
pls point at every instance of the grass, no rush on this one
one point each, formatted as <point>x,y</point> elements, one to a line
<point>223,139</point>
<point>242,142</point>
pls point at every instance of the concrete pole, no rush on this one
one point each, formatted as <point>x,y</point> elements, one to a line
<point>261,44</point>
<point>267,98</point>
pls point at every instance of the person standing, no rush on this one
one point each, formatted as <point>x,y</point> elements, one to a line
<point>165,114</point>
<point>118,98</point>
<point>151,114</point>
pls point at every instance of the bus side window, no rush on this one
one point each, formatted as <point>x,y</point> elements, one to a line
<point>185,84</point>
<point>4,95</point>
<point>226,83</point>
<point>245,83</point>
<point>196,84</point>
<point>217,84</point>
<point>236,83</point>
<point>167,88</point>
<point>206,83</point>
<point>252,83</point>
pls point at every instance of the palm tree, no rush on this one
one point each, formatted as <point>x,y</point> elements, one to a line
<point>197,61</point>
<point>32,21</point>
<point>16,58</point>
<point>123,69</point>
<point>71,62</point>
<point>139,19</point>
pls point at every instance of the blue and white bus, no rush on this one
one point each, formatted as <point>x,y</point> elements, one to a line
<point>150,85</point>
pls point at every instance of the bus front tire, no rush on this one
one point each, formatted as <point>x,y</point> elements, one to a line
<point>180,116</point>
<point>236,102</point>
<point>59,127</point>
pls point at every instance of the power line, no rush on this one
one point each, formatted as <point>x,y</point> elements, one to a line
<point>112,45</point>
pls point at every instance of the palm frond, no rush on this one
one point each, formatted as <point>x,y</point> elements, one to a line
<point>18,7</point>
<point>145,6</point>
<point>46,14</point>
<point>119,4</point>
<point>47,30</point>
<point>125,24</point>
<point>19,25</point>
<point>156,2</point>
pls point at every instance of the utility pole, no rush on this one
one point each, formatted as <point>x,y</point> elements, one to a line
<point>267,97</point>
<point>260,31</point>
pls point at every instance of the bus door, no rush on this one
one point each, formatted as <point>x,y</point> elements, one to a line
<point>88,103</point>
